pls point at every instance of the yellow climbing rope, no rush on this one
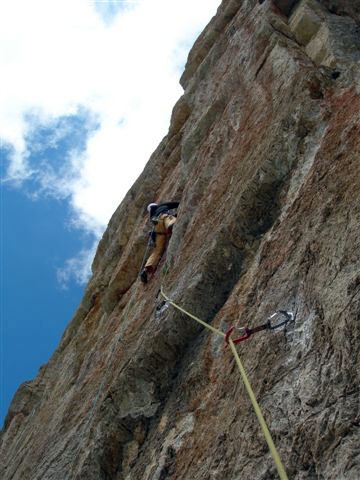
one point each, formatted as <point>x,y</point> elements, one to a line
<point>264,427</point>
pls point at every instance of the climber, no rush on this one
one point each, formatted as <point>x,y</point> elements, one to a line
<point>163,223</point>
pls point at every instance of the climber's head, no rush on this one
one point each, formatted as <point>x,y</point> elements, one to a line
<point>151,206</point>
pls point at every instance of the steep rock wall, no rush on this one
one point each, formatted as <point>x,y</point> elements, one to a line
<point>263,154</point>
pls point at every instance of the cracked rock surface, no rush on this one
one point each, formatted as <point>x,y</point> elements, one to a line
<point>263,153</point>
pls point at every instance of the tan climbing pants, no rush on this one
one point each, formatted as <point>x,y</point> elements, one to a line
<point>163,230</point>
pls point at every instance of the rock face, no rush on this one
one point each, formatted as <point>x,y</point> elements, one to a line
<point>263,154</point>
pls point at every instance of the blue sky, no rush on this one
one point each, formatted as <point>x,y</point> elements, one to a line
<point>39,294</point>
<point>82,83</point>
<point>34,307</point>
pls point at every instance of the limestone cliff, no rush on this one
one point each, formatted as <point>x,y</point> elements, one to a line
<point>263,154</point>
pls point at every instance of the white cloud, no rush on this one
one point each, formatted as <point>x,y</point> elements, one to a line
<point>76,268</point>
<point>57,57</point>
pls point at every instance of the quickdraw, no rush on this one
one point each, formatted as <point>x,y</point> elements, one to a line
<point>289,317</point>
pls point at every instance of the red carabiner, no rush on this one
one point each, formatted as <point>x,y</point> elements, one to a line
<point>239,339</point>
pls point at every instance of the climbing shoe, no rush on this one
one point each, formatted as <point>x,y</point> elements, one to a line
<point>143,276</point>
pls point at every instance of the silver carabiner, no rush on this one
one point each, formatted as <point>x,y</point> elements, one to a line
<point>289,317</point>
